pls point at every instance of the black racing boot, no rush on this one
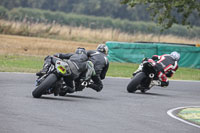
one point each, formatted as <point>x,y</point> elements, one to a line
<point>78,86</point>
<point>70,90</point>
<point>95,87</point>
<point>56,91</point>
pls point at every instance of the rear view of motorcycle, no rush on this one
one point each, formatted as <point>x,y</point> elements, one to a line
<point>144,78</point>
<point>51,82</point>
<point>84,80</point>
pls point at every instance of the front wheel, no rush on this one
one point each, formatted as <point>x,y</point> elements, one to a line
<point>46,84</point>
<point>135,81</point>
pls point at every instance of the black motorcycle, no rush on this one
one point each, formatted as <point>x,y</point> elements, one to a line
<point>83,81</point>
<point>145,78</point>
<point>52,82</point>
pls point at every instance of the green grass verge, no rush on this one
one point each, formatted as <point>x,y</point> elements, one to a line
<point>190,114</point>
<point>32,64</point>
<point>18,63</point>
<point>126,70</point>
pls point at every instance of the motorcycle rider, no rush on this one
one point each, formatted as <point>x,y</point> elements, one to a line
<point>101,64</point>
<point>77,62</point>
<point>166,65</point>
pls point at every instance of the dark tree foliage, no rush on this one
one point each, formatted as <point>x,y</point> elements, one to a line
<point>168,12</point>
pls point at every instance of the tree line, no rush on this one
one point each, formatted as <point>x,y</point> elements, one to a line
<point>75,20</point>
<point>103,8</point>
<point>167,13</point>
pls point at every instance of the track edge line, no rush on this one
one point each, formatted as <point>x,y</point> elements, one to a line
<point>170,113</point>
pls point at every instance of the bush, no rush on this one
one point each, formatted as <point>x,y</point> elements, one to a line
<point>3,12</point>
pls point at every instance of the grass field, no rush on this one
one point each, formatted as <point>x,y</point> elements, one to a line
<point>19,63</point>
<point>26,54</point>
<point>38,46</point>
<point>81,34</point>
<point>32,64</point>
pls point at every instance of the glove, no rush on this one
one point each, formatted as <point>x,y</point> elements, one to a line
<point>169,74</point>
<point>144,59</point>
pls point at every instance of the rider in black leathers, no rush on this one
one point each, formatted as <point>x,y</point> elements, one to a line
<point>97,57</point>
<point>101,64</point>
<point>77,62</point>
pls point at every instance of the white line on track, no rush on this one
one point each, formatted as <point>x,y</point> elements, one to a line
<point>170,113</point>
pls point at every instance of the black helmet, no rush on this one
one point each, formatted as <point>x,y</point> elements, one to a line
<point>102,48</point>
<point>80,51</point>
<point>175,55</point>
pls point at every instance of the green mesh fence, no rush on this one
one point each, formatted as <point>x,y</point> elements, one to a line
<point>135,52</point>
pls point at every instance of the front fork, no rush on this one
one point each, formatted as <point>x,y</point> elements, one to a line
<point>39,80</point>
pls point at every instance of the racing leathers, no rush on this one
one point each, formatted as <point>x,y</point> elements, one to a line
<point>101,65</point>
<point>166,67</point>
<point>77,63</point>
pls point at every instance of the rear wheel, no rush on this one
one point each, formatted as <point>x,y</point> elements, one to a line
<point>135,81</point>
<point>46,84</point>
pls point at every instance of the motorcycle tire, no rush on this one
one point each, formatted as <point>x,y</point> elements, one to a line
<point>46,84</point>
<point>135,81</point>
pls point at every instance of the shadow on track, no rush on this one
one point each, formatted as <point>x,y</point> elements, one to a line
<point>152,94</point>
<point>56,98</point>
<point>82,97</point>
<point>67,98</point>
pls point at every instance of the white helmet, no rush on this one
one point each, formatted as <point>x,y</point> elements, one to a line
<point>102,48</point>
<point>175,55</point>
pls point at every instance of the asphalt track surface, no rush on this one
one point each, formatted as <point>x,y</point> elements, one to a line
<point>112,110</point>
